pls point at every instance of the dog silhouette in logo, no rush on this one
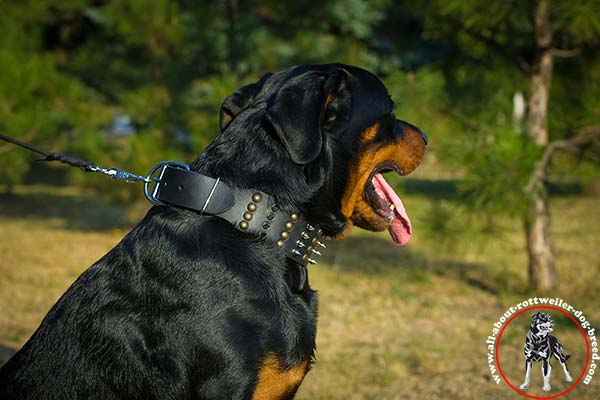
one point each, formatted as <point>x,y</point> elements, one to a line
<point>541,346</point>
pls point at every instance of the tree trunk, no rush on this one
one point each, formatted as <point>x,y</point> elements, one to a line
<point>542,268</point>
<point>537,118</point>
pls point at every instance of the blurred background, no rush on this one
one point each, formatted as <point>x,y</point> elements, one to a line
<point>504,207</point>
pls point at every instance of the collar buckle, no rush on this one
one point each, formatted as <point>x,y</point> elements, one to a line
<point>151,193</point>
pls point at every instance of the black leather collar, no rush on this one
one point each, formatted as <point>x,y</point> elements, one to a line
<point>248,210</point>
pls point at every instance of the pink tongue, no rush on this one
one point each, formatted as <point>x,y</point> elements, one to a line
<point>401,228</point>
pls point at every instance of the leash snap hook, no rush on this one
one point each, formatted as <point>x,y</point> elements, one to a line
<point>152,192</point>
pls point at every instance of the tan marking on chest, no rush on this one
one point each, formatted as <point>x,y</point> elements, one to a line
<point>275,382</point>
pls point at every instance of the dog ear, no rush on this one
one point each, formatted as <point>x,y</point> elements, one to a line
<point>239,100</point>
<point>306,106</point>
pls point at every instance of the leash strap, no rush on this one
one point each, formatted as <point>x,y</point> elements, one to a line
<point>86,166</point>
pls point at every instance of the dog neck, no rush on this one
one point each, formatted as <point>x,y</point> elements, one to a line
<point>248,210</point>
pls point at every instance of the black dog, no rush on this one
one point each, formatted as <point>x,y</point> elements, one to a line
<point>213,305</point>
<point>541,346</point>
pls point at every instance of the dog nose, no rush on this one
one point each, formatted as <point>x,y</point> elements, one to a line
<point>400,126</point>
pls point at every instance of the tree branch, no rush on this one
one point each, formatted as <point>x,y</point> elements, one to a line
<point>566,53</point>
<point>584,136</point>
<point>521,64</point>
<point>518,61</point>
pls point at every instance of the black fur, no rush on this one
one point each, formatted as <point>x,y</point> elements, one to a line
<point>186,306</point>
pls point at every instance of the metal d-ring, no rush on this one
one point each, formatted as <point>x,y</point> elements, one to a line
<point>149,179</point>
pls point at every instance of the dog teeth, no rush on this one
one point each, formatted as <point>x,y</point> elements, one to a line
<point>392,207</point>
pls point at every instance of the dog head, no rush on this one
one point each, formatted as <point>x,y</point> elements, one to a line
<point>318,138</point>
<point>542,324</point>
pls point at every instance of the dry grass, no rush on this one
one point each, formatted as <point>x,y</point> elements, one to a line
<point>394,322</point>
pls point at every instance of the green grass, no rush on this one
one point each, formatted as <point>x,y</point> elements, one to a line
<point>406,322</point>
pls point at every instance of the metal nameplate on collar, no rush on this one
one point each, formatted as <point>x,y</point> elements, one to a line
<point>184,188</point>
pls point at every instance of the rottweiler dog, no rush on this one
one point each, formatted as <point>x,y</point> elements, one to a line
<point>541,346</point>
<point>191,306</point>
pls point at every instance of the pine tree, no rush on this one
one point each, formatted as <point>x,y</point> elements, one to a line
<point>528,38</point>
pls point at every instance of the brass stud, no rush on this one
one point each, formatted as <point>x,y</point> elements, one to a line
<point>305,258</point>
<point>309,249</point>
<point>252,207</point>
<point>256,197</point>
<point>284,235</point>
<point>280,243</point>
<point>248,216</point>
<point>289,226</point>
<point>314,241</point>
<point>320,232</point>
<point>244,225</point>
<point>294,217</point>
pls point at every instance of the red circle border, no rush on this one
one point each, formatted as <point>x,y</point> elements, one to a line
<point>587,355</point>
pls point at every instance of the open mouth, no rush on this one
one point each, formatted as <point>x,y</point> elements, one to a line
<point>386,203</point>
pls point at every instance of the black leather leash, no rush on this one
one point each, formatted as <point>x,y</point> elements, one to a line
<point>251,211</point>
<point>87,166</point>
